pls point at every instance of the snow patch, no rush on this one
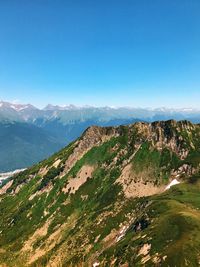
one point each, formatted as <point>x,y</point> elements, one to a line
<point>95,264</point>
<point>173,182</point>
<point>19,107</point>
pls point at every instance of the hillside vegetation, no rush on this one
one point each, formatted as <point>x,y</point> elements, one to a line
<point>101,201</point>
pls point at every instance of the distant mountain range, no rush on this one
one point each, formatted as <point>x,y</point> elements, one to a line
<point>29,134</point>
<point>70,114</point>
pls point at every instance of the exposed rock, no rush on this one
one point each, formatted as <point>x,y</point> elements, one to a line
<point>137,185</point>
<point>93,136</point>
<point>73,184</point>
<point>5,187</point>
<point>144,250</point>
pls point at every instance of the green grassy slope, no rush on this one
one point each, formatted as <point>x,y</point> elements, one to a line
<point>42,224</point>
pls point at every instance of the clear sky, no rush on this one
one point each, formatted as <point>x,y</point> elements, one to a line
<point>143,53</point>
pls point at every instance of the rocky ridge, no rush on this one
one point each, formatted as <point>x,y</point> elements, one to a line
<point>101,200</point>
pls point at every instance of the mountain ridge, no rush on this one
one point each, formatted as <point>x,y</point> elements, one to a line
<point>102,200</point>
<point>134,112</point>
<point>51,106</point>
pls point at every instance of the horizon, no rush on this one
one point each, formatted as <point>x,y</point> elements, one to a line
<point>134,53</point>
<point>93,106</point>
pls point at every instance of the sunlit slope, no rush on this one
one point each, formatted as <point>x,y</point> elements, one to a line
<point>101,201</point>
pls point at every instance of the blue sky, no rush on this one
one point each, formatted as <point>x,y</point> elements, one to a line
<point>143,53</point>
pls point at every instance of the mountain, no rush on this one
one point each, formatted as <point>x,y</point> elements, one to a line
<point>27,130</point>
<point>23,144</point>
<point>63,124</point>
<point>117,196</point>
<point>71,113</point>
<point>17,112</point>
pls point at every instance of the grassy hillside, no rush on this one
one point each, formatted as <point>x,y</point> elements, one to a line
<point>101,201</point>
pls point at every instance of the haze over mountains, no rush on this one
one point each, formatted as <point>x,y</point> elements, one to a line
<point>71,113</point>
<point>29,134</point>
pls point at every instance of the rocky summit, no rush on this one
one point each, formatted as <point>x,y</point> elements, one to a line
<point>117,196</point>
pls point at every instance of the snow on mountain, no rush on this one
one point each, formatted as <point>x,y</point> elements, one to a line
<point>66,113</point>
<point>16,107</point>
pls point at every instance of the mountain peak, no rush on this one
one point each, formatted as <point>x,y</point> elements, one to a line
<point>16,107</point>
<point>56,107</point>
<point>103,200</point>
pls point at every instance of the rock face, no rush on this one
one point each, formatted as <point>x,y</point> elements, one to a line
<point>167,134</point>
<point>93,136</point>
<point>102,200</point>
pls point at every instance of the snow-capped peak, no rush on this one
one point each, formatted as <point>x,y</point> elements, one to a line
<point>16,107</point>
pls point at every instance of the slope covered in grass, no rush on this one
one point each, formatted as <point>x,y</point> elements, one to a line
<point>102,200</point>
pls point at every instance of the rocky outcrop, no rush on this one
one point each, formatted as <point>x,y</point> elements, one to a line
<point>93,136</point>
<point>168,134</point>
